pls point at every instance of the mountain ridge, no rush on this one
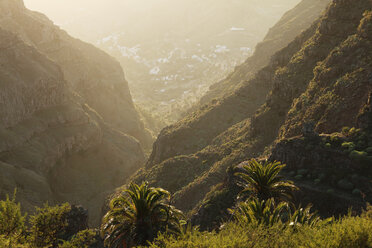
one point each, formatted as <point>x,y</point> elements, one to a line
<point>57,142</point>
<point>291,72</point>
<point>86,68</point>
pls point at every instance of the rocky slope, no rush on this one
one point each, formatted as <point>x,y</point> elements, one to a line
<point>91,73</point>
<point>196,130</point>
<point>57,137</point>
<point>308,81</point>
<point>279,36</point>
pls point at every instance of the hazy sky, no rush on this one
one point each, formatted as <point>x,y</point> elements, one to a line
<point>83,18</point>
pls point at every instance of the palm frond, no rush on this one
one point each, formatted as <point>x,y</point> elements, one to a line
<point>264,182</point>
<point>138,215</point>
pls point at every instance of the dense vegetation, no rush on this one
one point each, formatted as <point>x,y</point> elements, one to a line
<point>50,226</point>
<point>347,232</point>
<point>264,216</point>
<point>138,215</point>
<point>263,221</point>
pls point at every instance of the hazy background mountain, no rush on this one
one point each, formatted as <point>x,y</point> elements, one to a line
<point>172,50</point>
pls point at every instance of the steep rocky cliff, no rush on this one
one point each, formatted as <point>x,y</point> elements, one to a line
<point>279,36</point>
<point>321,77</point>
<point>94,75</point>
<point>64,108</point>
<point>198,129</point>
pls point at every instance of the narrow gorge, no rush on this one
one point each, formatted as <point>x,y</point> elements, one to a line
<point>224,95</point>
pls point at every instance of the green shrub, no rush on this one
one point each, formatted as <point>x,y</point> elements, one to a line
<point>345,130</point>
<point>6,243</point>
<point>359,156</point>
<point>348,232</point>
<point>12,222</point>
<point>48,225</point>
<point>335,139</point>
<point>353,131</point>
<point>348,145</point>
<point>83,239</point>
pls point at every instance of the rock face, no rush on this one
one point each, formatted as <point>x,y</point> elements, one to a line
<point>65,109</point>
<point>199,128</point>
<point>279,36</point>
<point>30,87</point>
<point>321,77</point>
<point>91,73</point>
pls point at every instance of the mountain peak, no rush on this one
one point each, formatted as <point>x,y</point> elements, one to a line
<point>6,4</point>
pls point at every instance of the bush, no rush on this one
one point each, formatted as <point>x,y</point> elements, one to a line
<point>83,239</point>
<point>12,222</point>
<point>345,131</point>
<point>353,132</point>
<point>348,145</point>
<point>6,242</point>
<point>348,232</point>
<point>335,139</point>
<point>359,156</point>
<point>48,225</point>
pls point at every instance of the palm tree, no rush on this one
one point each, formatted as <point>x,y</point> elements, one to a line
<point>263,181</point>
<point>304,216</point>
<point>136,216</point>
<point>258,212</point>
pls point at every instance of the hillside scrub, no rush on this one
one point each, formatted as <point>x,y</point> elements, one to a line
<point>347,232</point>
<point>50,226</point>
